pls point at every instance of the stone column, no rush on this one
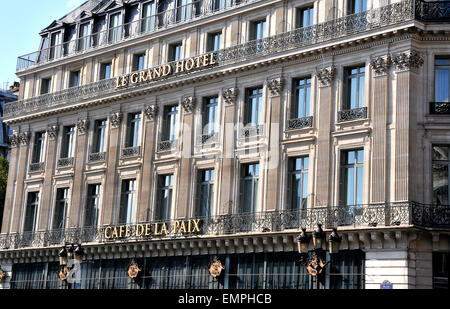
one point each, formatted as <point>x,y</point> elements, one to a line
<point>407,64</point>
<point>226,200</point>
<point>380,67</point>
<point>12,174</point>
<point>185,184</point>
<point>78,178</point>
<point>24,140</point>
<point>111,190</point>
<point>275,87</point>
<point>47,189</point>
<point>148,151</point>
<point>325,78</point>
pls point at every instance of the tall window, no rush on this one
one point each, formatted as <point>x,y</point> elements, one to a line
<point>253,107</point>
<point>105,71</point>
<point>55,45</point>
<point>302,98</point>
<point>38,148</point>
<point>138,62</point>
<point>91,215</point>
<point>128,202</point>
<point>170,126</point>
<point>441,183</point>
<point>115,27</point>
<point>133,130</point>
<point>84,36</point>
<point>99,136</point>
<point>61,207</point>
<point>442,80</point>
<point>352,178</point>
<point>214,41</point>
<point>249,188</point>
<point>148,16</point>
<point>74,79</point>
<point>175,52</point>
<point>184,9</point>
<point>45,85</point>
<point>31,212</point>
<point>298,171</point>
<point>258,30</point>
<point>222,4</point>
<point>164,208</point>
<point>209,117</point>
<point>440,270</point>
<point>356,6</point>
<point>205,202</point>
<point>305,17</point>
<point>67,149</point>
<point>354,89</point>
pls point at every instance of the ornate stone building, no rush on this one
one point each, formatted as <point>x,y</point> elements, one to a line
<point>167,135</point>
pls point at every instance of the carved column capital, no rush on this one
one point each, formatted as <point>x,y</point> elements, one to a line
<point>116,119</point>
<point>326,76</point>
<point>52,131</point>
<point>151,111</point>
<point>188,104</point>
<point>230,95</point>
<point>275,86</point>
<point>381,65</point>
<point>409,60</point>
<point>82,126</point>
<point>14,140</point>
<point>24,138</point>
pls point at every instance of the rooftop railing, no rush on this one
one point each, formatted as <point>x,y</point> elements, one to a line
<point>362,217</point>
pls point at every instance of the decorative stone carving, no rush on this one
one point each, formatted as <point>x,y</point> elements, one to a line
<point>381,65</point>
<point>14,140</point>
<point>151,111</point>
<point>326,76</point>
<point>116,119</point>
<point>275,86</point>
<point>188,104</point>
<point>52,131</point>
<point>24,138</point>
<point>82,126</point>
<point>408,60</point>
<point>230,95</point>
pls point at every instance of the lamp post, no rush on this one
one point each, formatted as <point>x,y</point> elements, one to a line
<point>315,265</point>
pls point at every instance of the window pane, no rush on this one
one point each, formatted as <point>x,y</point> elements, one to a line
<point>442,85</point>
<point>441,153</point>
<point>350,184</point>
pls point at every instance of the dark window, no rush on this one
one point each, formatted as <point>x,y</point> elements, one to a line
<point>133,130</point>
<point>92,205</point>
<point>209,117</point>
<point>205,193</point>
<point>442,80</point>
<point>84,37</point>
<point>253,107</point>
<point>214,41</point>
<point>356,6</point>
<point>298,183</point>
<point>45,85</point>
<point>164,208</point>
<point>148,16</point>
<point>31,212</point>
<point>441,183</point>
<point>128,202</point>
<point>175,52</point>
<point>61,207</point>
<point>352,178</point>
<point>105,71</point>
<point>184,9</point>
<point>258,30</point>
<point>99,136</point>
<point>74,79</point>
<point>249,188</point>
<point>440,270</point>
<point>302,98</point>
<point>170,126</point>
<point>115,27</point>
<point>305,17</point>
<point>38,148</point>
<point>56,45</point>
<point>354,87</point>
<point>68,143</point>
<point>347,270</point>
<point>138,62</point>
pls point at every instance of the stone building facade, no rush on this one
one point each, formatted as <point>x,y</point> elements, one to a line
<point>172,134</point>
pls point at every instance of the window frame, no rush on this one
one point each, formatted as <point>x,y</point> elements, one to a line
<point>295,104</point>
<point>348,89</point>
<point>246,176</point>
<point>443,163</point>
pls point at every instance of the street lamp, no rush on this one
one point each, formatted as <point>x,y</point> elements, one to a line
<point>318,237</point>
<point>334,241</point>
<point>66,256</point>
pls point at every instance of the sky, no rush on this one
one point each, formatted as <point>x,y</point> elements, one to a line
<point>20,24</point>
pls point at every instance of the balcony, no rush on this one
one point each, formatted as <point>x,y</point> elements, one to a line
<point>97,157</point>
<point>125,32</point>
<point>394,14</point>
<point>439,108</point>
<point>300,123</point>
<point>352,114</point>
<point>131,152</point>
<point>36,167</point>
<point>65,162</point>
<point>363,217</point>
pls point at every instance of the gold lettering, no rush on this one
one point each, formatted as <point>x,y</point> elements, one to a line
<point>147,230</point>
<point>189,64</point>
<point>167,70</point>
<point>182,228</point>
<point>176,226</point>
<point>121,231</point>
<point>118,82</point>
<point>197,60</point>
<point>128,231</point>
<point>205,60</point>
<point>157,72</point>
<point>196,226</point>
<point>106,232</point>
<point>164,229</point>
<point>179,67</point>
<point>213,59</point>
<point>134,78</point>
<point>124,81</point>
<point>149,74</point>
<point>143,76</point>
<point>156,230</point>
<point>139,230</point>
<point>115,233</point>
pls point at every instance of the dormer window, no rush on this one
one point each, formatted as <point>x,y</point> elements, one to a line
<point>55,46</point>
<point>84,37</point>
<point>115,27</point>
<point>184,10</point>
<point>148,16</point>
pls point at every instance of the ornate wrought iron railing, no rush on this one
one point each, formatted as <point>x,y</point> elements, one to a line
<point>440,108</point>
<point>167,145</point>
<point>36,167</point>
<point>251,131</point>
<point>352,114</point>
<point>131,152</point>
<point>300,123</point>
<point>204,139</point>
<point>359,217</point>
<point>65,162</point>
<point>97,157</point>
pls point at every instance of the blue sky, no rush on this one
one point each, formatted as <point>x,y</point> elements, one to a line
<point>20,24</point>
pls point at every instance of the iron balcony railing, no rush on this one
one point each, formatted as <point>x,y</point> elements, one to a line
<point>440,108</point>
<point>395,13</point>
<point>138,28</point>
<point>362,217</point>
